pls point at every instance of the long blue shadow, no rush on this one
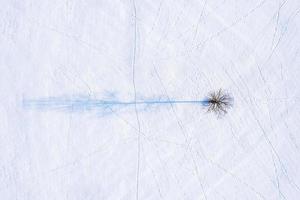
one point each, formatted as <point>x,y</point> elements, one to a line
<point>77,104</point>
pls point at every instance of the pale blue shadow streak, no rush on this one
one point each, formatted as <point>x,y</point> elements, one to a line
<point>103,107</point>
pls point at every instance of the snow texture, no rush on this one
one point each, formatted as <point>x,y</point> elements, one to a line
<point>58,56</point>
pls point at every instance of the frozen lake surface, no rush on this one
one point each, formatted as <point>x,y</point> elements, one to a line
<point>107,100</point>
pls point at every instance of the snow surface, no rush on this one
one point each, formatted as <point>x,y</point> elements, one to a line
<point>134,50</point>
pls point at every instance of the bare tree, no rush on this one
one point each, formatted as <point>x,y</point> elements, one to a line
<point>219,102</point>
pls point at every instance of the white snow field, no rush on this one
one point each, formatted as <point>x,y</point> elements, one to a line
<point>65,65</point>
